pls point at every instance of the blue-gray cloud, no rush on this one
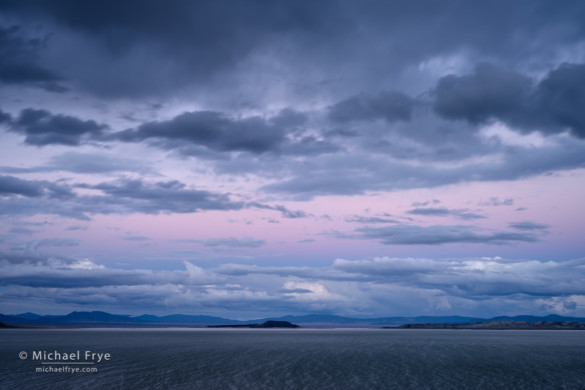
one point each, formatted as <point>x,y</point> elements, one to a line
<point>491,92</point>
<point>43,128</point>
<point>233,242</point>
<point>390,106</point>
<point>438,235</point>
<point>123,196</point>
<point>495,201</point>
<point>445,212</point>
<point>527,225</point>
<point>135,238</point>
<point>375,219</point>
<point>86,163</point>
<point>11,186</point>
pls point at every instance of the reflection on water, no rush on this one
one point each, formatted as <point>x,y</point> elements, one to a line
<point>301,359</point>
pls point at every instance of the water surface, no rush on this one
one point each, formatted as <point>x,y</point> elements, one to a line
<point>300,359</point>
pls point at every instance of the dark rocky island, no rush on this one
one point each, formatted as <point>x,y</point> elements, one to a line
<point>502,325</point>
<point>267,324</point>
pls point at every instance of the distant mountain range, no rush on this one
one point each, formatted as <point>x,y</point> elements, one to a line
<point>103,319</point>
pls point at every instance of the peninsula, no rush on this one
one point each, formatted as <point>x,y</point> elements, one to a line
<point>501,325</point>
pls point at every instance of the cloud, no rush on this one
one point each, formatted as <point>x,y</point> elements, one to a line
<point>495,201</point>
<point>5,117</point>
<point>362,219</point>
<point>285,213</point>
<point>193,106</point>
<point>437,235</point>
<point>426,203</point>
<point>176,34</point>
<point>95,163</point>
<point>211,130</point>
<point>472,277</point>
<point>50,242</point>
<point>390,106</point>
<point>22,230</point>
<point>19,60</point>
<point>11,185</point>
<point>444,212</point>
<point>209,134</point>
<point>124,196</point>
<point>306,241</point>
<point>365,45</point>
<point>86,163</point>
<point>135,238</point>
<point>76,227</point>
<point>492,92</point>
<point>43,128</point>
<point>233,242</point>
<point>527,225</point>
<point>360,171</point>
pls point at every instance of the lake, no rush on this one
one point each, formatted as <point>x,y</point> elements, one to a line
<point>291,359</point>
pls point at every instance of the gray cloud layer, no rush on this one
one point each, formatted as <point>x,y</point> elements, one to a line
<point>383,286</point>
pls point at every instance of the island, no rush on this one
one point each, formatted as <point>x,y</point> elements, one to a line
<point>267,324</point>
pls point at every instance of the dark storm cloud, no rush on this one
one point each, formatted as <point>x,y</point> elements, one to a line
<point>200,39</point>
<point>361,43</point>
<point>390,106</point>
<point>19,60</point>
<point>209,134</point>
<point>444,212</point>
<point>491,92</point>
<point>43,128</point>
<point>212,130</point>
<point>438,235</point>
<point>561,98</point>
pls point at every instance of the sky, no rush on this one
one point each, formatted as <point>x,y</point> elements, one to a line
<point>260,158</point>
